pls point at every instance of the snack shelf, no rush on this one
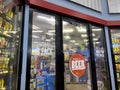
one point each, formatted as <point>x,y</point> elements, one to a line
<point>118,71</point>
<point>2,88</point>
<point>3,71</point>
<point>117,62</point>
<point>4,16</point>
<point>9,51</point>
<point>116,53</point>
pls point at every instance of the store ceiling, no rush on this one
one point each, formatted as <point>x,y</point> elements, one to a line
<point>45,23</point>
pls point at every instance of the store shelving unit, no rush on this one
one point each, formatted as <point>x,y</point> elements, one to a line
<point>9,46</point>
<point>116,54</point>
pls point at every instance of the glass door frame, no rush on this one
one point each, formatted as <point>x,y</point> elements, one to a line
<point>59,76</point>
<point>113,58</point>
<point>59,82</point>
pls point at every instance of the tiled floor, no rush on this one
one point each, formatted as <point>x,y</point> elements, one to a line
<point>76,87</point>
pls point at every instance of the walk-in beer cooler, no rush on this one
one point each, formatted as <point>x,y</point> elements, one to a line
<point>10,33</point>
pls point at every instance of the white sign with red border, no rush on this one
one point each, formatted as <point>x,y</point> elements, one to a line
<point>77,65</point>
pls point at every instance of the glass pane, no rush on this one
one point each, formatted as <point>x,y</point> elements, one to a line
<point>42,75</point>
<point>102,71</point>
<point>76,56</point>
<point>10,31</point>
<point>115,37</point>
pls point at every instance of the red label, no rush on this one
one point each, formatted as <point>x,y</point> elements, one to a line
<point>77,65</point>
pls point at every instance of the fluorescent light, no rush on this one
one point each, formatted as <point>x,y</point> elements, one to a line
<point>93,34</point>
<point>95,39</point>
<point>81,29</point>
<point>14,32</point>
<point>46,18</point>
<point>37,31</point>
<point>73,41</point>
<point>34,36</point>
<point>65,23</point>
<point>67,37</point>
<point>97,42</point>
<point>76,43</point>
<point>35,42</point>
<point>84,35</point>
<point>35,27</point>
<point>86,43</point>
<point>51,31</point>
<point>48,40</point>
<point>85,40</point>
<point>67,30</point>
<point>98,29</point>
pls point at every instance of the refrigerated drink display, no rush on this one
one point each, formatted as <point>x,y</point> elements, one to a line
<point>115,39</point>
<point>42,67</point>
<point>9,45</point>
<point>75,42</point>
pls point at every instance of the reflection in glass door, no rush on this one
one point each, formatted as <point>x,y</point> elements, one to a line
<point>42,68</point>
<point>102,71</point>
<point>76,56</point>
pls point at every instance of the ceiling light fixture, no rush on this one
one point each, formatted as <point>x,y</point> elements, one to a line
<point>65,23</point>
<point>81,29</point>
<point>98,29</point>
<point>86,40</point>
<point>34,36</point>
<point>73,41</point>
<point>84,35</point>
<point>95,39</point>
<point>46,18</point>
<point>67,37</point>
<point>37,31</point>
<point>49,33</point>
<point>52,31</point>
<point>35,27</point>
<point>68,30</point>
<point>76,43</point>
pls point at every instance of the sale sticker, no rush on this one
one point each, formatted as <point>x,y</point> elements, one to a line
<point>77,65</point>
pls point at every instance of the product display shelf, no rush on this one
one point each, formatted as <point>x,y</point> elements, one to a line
<point>5,17</point>
<point>4,35</point>
<point>116,53</point>
<point>3,72</point>
<point>118,80</point>
<point>7,38</point>
<point>118,71</point>
<point>117,62</point>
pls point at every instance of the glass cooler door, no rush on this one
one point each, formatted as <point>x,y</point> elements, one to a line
<point>42,66</point>
<point>115,39</point>
<point>9,44</point>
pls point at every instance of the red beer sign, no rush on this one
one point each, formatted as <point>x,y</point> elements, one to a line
<point>77,65</point>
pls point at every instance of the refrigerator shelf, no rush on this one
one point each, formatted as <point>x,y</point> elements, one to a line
<point>5,55</point>
<point>116,53</point>
<point>118,81</point>
<point>9,49</point>
<point>118,71</point>
<point>117,62</point>
<point>8,31</point>
<point>3,72</point>
<point>2,88</point>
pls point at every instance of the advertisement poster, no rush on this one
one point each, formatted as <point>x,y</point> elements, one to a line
<point>77,65</point>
